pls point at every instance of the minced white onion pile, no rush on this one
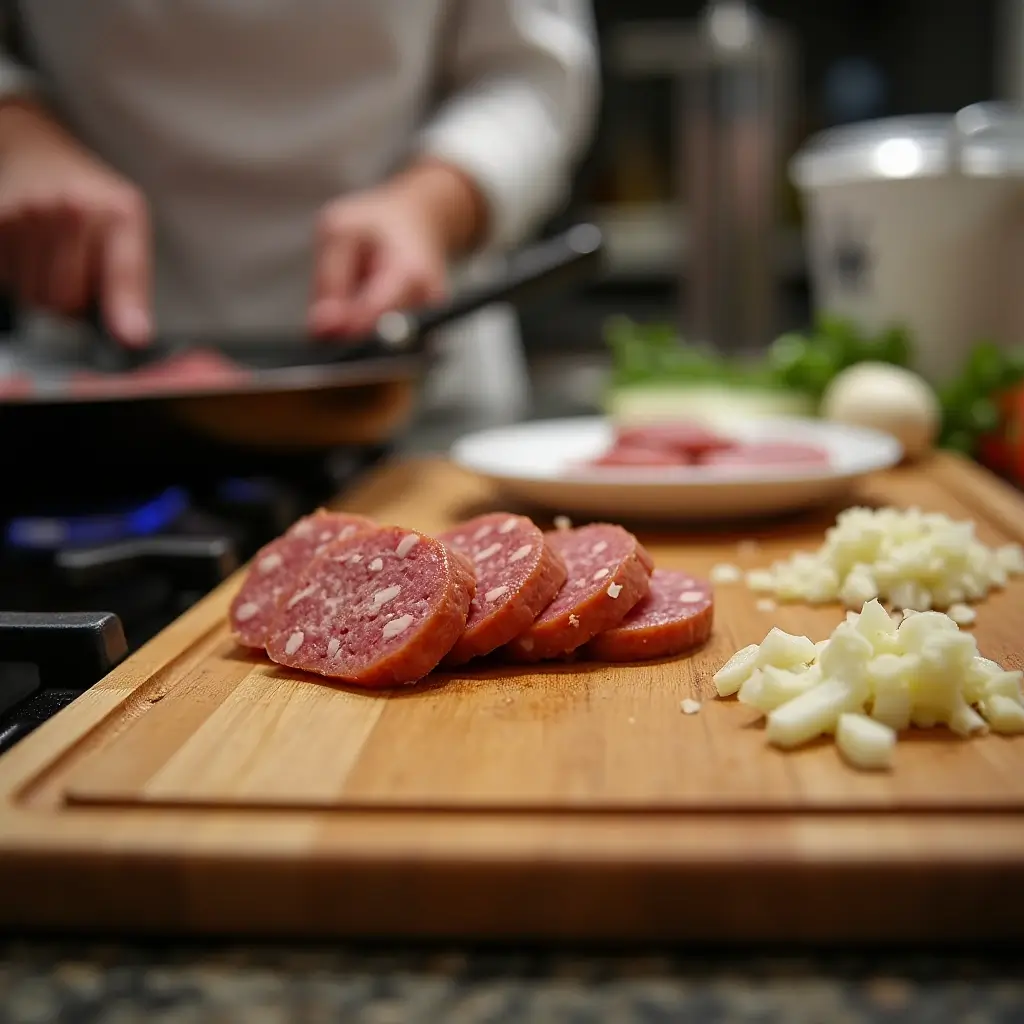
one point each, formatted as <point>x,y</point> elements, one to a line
<point>911,559</point>
<point>872,679</point>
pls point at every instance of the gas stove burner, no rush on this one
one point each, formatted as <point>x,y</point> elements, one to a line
<point>135,560</point>
<point>97,526</point>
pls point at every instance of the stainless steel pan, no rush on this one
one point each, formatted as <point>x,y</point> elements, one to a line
<point>99,403</point>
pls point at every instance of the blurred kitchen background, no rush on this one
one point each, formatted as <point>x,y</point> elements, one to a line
<point>822,65</point>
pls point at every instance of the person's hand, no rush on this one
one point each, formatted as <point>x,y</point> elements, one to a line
<point>72,231</point>
<point>388,248</point>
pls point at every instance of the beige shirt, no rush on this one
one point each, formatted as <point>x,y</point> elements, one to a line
<point>239,119</point>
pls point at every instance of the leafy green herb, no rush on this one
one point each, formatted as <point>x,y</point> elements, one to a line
<point>805,363</point>
<point>970,405</point>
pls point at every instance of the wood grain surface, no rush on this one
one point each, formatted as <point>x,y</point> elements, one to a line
<point>224,775</point>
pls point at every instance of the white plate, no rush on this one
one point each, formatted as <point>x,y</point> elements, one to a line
<point>540,463</point>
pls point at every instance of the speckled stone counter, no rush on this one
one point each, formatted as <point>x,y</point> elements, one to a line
<point>123,984</point>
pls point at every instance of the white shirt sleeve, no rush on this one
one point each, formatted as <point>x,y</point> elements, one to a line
<point>521,90</point>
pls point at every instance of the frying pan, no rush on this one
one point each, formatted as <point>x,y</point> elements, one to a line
<point>97,411</point>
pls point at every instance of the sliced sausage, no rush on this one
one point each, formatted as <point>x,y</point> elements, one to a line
<point>675,616</point>
<point>689,439</point>
<point>276,567</point>
<point>635,455</point>
<point>378,610</point>
<point>608,572</point>
<point>517,576</point>
<point>197,369</point>
<point>768,453</point>
<point>16,385</point>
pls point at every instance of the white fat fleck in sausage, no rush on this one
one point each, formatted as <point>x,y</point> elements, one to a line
<point>508,526</point>
<point>614,589</point>
<point>492,595</point>
<point>356,558</point>
<point>246,611</point>
<point>520,553</point>
<point>385,595</point>
<point>347,532</point>
<point>333,647</point>
<point>488,552</point>
<point>600,546</point>
<point>376,565</point>
<point>271,562</point>
<point>396,627</point>
<point>302,529</point>
<point>483,531</point>
<point>294,642</point>
<point>600,574</point>
<point>327,535</point>
<point>691,596</point>
<point>301,595</point>
<point>406,544</point>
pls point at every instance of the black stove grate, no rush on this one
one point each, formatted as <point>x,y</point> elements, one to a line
<point>61,655</point>
<point>55,644</point>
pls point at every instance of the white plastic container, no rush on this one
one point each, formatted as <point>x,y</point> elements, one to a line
<point>920,221</point>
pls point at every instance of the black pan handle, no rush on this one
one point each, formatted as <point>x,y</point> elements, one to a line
<point>553,265</point>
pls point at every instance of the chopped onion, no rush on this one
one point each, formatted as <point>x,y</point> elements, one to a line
<point>872,679</point>
<point>911,559</point>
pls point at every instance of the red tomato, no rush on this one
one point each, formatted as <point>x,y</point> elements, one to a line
<point>1003,450</point>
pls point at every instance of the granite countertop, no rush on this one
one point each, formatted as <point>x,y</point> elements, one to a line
<point>122,984</point>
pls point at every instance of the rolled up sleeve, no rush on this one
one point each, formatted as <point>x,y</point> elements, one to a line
<point>520,96</point>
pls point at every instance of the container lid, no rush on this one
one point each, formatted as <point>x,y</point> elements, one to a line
<point>984,140</point>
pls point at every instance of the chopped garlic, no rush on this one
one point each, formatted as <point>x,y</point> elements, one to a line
<point>964,720</point>
<point>1005,684</point>
<point>689,706</point>
<point>726,573</point>
<point>760,581</point>
<point>752,688</point>
<point>1004,714</point>
<point>812,713</point>
<point>864,742</point>
<point>910,559</point>
<point>735,672</point>
<point>872,679</point>
<point>962,614</point>
<point>784,650</point>
<point>779,685</point>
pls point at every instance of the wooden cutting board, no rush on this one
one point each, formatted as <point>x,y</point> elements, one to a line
<point>200,788</point>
